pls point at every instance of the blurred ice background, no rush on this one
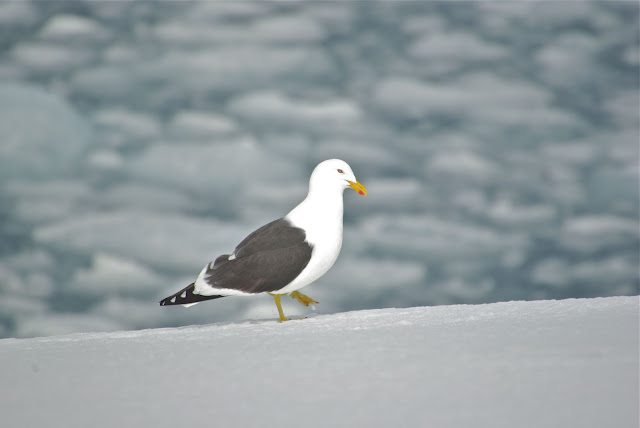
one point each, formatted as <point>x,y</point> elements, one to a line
<point>138,140</point>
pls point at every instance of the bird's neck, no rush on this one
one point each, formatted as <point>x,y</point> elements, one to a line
<point>319,207</point>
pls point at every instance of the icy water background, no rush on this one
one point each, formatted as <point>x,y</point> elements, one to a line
<point>139,140</point>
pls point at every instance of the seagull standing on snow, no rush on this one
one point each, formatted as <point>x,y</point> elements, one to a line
<point>285,255</point>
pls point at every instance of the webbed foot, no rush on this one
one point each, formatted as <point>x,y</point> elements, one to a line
<point>303,299</point>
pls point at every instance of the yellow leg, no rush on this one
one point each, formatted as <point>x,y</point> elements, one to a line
<point>305,300</point>
<point>276,297</point>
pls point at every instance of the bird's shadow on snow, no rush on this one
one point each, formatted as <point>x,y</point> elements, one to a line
<point>252,321</point>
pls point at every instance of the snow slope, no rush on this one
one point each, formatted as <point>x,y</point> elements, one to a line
<point>571,363</point>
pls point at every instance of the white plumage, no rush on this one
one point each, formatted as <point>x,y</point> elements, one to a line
<point>320,215</point>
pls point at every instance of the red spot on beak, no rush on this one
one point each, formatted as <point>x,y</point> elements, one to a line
<point>361,192</point>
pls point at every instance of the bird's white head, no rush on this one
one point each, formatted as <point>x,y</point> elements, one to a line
<point>334,174</point>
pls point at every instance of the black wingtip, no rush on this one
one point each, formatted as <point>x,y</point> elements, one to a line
<point>185,296</point>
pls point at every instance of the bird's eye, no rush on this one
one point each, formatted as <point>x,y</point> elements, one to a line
<point>341,171</point>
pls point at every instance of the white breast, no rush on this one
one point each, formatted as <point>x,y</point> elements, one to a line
<point>321,218</point>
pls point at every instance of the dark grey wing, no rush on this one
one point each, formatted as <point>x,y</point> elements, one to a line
<point>265,261</point>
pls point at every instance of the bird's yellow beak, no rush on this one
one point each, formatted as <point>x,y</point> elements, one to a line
<point>358,187</point>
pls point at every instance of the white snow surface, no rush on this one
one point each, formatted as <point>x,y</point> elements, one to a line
<point>568,363</point>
